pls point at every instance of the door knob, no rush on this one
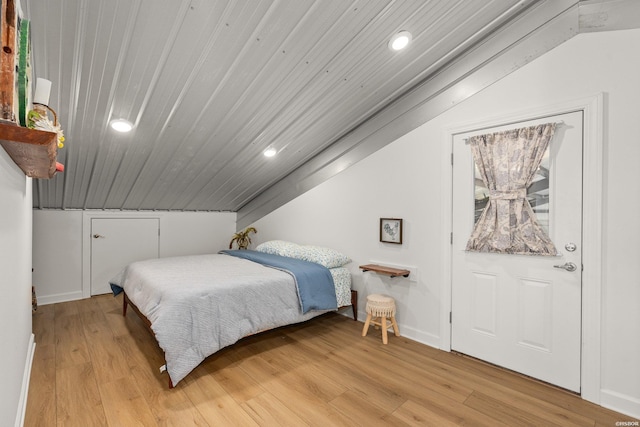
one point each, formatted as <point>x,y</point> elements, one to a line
<point>97,236</point>
<point>569,266</point>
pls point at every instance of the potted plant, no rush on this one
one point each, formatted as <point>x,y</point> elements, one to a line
<point>242,238</point>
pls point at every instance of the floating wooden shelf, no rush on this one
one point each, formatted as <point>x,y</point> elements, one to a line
<point>34,151</point>
<point>387,271</point>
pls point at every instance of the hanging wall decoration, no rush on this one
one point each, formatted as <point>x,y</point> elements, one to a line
<point>391,230</point>
<point>507,163</point>
<point>24,72</point>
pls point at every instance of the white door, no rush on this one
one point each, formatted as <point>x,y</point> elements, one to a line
<point>116,242</point>
<point>523,312</point>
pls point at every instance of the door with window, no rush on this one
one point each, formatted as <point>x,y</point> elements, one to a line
<point>523,312</point>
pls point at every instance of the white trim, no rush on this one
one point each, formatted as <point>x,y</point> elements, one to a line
<point>592,246</point>
<point>417,335</point>
<point>446,227</point>
<point>619,402</point>
<point>24,391</point>
<point>62,297</point>
<point>406,331</point>
<point>593,110</point>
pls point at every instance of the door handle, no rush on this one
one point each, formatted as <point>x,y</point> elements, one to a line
<point>569,266</point>
<point>98,236</point>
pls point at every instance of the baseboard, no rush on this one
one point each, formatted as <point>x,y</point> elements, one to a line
<point>24,392</point>
<point>420,336</point>
<point>620,403</point>
<point>56,298</point>
<point>413,334</point>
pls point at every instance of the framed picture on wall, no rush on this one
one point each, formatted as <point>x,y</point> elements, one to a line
<point>391,230</point>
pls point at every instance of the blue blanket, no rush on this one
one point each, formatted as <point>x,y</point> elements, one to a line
<point>316,290</point>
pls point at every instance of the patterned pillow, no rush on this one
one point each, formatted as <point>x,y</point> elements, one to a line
<point>342,282</point>
<point>320,255</point>
<point>279,247</point>
<point>324,256</point>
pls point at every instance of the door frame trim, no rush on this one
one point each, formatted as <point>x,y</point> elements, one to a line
<point>592,169</point>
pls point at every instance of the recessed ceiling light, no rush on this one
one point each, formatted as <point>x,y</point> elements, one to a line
<point>121,125</point>
<point>270,152</point>
<point>400,40</point>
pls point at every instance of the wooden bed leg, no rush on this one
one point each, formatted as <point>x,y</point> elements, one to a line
<point>124,304</point>
<point>354,304</point>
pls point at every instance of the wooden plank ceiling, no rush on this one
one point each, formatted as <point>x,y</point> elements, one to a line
<point>209,85</point>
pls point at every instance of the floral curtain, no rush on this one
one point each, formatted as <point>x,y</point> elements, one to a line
<point>507,162</point>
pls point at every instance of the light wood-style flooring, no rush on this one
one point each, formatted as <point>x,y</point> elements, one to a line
<point>93,367</point>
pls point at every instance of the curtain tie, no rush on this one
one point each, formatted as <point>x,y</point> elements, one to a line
<point>508,195</point>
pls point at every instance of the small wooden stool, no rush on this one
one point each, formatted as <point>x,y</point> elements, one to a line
<point>379,309</point>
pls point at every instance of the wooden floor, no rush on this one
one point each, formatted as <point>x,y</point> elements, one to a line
<point>93,367</point>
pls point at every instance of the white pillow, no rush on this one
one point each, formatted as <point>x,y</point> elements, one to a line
<point>279,247</point>
<point>328,257</point>
<point>320,255</point>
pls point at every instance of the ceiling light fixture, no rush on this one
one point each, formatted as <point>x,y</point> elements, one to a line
<point>270,152</point>
<point>121,125</point>
<point>400,41</point>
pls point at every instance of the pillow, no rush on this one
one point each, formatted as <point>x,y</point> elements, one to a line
<point>342,282</point>
<point>279,247</point>
<point>324,256</point>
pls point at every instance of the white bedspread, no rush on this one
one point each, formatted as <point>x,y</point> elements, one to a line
<point>200,304</point>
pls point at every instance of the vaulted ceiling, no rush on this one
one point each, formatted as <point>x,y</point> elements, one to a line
<point>209,85</point>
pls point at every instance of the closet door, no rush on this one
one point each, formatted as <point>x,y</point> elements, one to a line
<point>116,242</point>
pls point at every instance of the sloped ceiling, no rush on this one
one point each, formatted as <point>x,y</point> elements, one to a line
<point>210,84</point>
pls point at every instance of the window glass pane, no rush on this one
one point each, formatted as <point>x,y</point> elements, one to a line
<point>537,194</point>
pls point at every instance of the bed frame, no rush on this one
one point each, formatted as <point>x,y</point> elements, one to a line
<point>126,302</point>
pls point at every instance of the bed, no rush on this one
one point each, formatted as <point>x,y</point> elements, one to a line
<point>197,305</point>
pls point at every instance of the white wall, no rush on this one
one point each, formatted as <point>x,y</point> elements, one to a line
<point>61,267</point>
<point>405,180</point>
<point>57,255</point>
<point>15,287</point>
